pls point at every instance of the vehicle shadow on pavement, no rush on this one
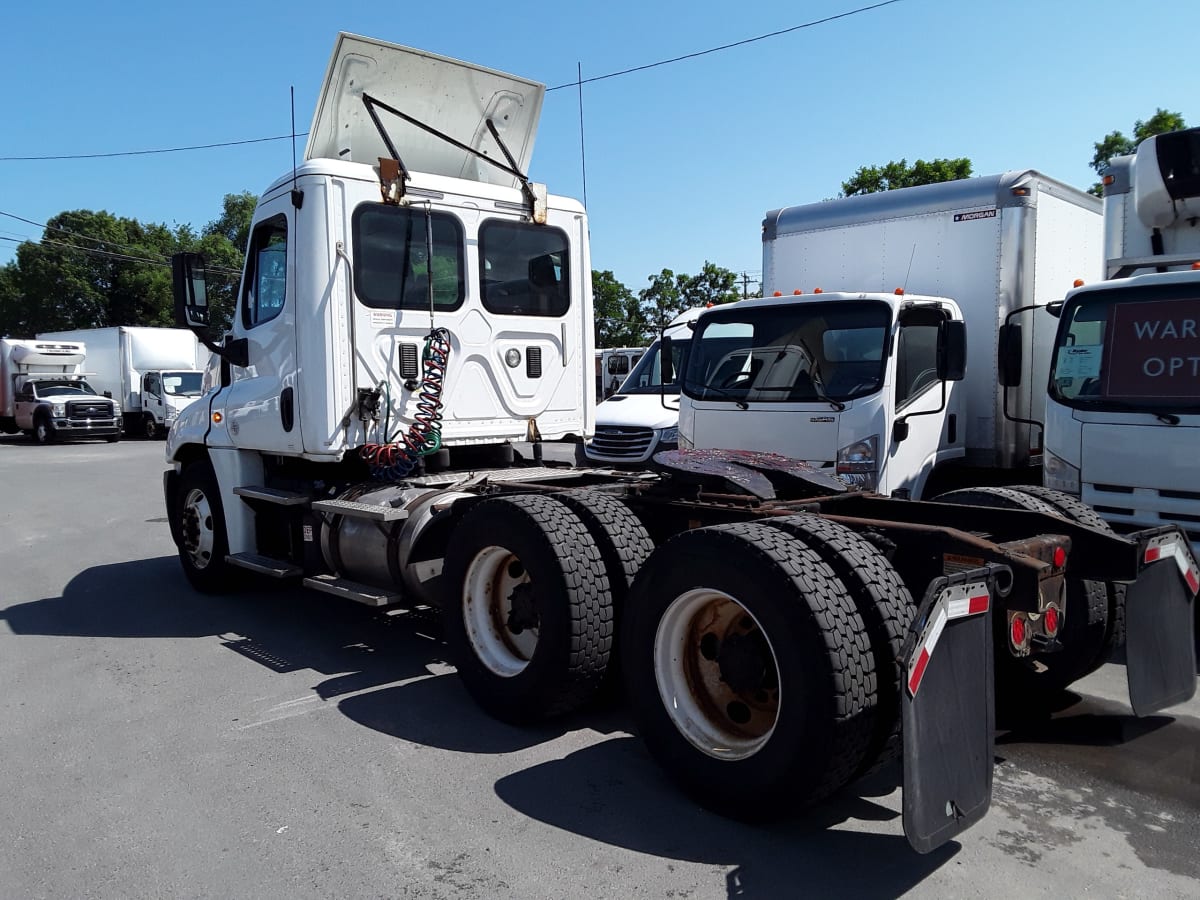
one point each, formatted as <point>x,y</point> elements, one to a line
<point>363,652</point>
<point>613,792</point>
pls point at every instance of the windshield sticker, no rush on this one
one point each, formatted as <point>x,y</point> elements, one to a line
<point>1078,361</point>
<point>1154,349</point>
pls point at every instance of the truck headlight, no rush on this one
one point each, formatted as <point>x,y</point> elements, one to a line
<point>669,435</point>
<point>858,463</point>
<point>171,414</point>
<point>58,409</point>
<point>1059,474</point>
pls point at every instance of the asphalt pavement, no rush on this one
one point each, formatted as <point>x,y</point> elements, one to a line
<point>278,743</point>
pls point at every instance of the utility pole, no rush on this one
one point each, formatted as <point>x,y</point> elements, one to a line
<point>745,285</point>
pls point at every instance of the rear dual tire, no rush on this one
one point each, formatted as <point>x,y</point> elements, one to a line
<point>748,670</point>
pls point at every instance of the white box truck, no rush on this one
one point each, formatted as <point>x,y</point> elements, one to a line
<point>1123,416</point>
<point>44,392</point>
<point>860,279</point>
<point>411,303</point>
<point>153,373</point>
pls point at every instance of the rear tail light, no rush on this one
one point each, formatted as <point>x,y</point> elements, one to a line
<point>1050,621</point>
<point>1018,631</point>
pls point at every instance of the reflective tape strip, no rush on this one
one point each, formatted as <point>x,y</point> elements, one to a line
<point>1167,547</point>
<point>955,602</point>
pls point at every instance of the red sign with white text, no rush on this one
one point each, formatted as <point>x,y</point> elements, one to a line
<point>1153,350</point>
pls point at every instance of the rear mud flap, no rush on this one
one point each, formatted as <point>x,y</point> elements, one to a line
<point>948,712</point>
<point>1160,649</point>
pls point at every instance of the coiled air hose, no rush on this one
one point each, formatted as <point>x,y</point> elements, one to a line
<point>396,458</point>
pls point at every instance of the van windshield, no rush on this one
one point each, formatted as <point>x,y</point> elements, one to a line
<point>789,353</point>
<point>1123,349</point>
<point>646,377</point>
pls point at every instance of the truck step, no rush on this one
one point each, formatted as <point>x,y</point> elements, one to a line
<point>351,590</point>
<point>271,495</point>
<point>264,565</point>
<point>361,510</point>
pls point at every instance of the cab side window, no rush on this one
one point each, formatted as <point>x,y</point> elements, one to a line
<point>265,288</point>
<point>916,362</point>
<point>152,387</point>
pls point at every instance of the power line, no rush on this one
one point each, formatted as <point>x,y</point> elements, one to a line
<point>108,254</point>
<point>282,137</point>
<point>741,43</point>
<point>578,83</point>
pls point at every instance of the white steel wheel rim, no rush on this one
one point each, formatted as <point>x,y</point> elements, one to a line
<point>42,431</point>
<point>697,700</point>
<point>199,535</point>
<point>492,576</point>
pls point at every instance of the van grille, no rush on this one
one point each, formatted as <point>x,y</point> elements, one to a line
<point>622,442</point>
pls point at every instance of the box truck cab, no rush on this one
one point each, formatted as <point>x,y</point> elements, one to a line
<point>1123,415</point>
<point>642,416</point>
<point>981,254</point>
<point>862,385</point>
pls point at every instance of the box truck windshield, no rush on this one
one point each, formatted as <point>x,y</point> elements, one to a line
<point>796,353</point>
<point>182,384</point>
<point>1136,349</point>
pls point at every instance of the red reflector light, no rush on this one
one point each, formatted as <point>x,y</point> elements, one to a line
<point>1018,632</point>
<point>1060,557</point>
<point>1051,621</point>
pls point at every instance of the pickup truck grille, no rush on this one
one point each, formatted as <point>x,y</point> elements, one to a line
<point>622,442</point>
<point>89,409</point>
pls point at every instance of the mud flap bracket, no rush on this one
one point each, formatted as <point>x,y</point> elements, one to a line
<point>947,708</point>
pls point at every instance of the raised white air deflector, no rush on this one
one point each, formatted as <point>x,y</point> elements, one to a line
<point>456,98</point>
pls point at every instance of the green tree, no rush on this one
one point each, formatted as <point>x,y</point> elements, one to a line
<point>892,175</point>
<point>1115,143</point>
<point>713,285</point>
<point>234,221</point>
<point>619,319</point>
<point>670,293</point>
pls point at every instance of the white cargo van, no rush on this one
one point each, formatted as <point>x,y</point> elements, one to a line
<point>642,416</point>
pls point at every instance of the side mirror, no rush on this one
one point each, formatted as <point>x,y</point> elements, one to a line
<point>1055,307</point>
<point>108,395</point>
<point>900,431</point>
<point>952,350</point>
<point>190,289</point>
<point>1009,355</point>
<point>666,367</point>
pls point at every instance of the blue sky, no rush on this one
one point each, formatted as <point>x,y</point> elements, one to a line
<point>682,160</point>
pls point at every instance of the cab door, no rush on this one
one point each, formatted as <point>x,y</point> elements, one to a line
<point>152,397</point>
<point>24,404</point>
<point>918,400</point>
<point>260,405</point>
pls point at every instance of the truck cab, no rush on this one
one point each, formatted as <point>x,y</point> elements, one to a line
<point>859,384</point>
<point>1123,414</point>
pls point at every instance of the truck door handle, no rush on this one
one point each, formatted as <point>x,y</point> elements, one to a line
<point>287,412</point>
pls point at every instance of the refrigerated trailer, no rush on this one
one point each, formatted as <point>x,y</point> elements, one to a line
<point>44,393</point>
<point>411,305</point>
<point>153,373</point>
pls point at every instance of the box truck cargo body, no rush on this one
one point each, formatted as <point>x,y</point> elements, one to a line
<point>153,373</point>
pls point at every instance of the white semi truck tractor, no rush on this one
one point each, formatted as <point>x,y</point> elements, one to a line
<point>412,304</point>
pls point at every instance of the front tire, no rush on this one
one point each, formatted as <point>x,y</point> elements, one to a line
<point>748,670</point>
<point>44,431</point>
<point>150,428</point>
<point>528,612</point>
<point>203,539</point>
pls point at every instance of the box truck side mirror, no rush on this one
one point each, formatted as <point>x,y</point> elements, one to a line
<point>1009,355</point>
<point>952,350</point>
<point>666,366</point>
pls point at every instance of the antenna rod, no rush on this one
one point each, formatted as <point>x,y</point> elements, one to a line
<point>297,196</point>
<point>582,146</point>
